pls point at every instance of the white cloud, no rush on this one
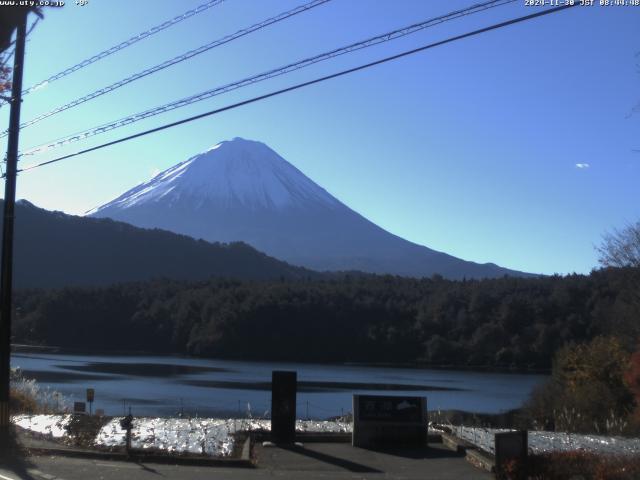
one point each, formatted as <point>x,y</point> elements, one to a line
<point>582,165</point>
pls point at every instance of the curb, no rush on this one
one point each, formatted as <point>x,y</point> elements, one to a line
<point>310,437</point>
<point>456,444</point>
<point>243,462</point>
<point>473,454</point>
<point>246,451</point>
<point>482,460</point>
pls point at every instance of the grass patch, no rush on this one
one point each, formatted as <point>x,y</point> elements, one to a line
<point>22,402</point>
<point>28,397</point>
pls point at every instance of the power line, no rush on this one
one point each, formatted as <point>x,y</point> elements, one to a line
<point>385,37</point>
<point>125,44</point>
<point>306,84</point>
<point>81,135</point>
<point>167,63</point>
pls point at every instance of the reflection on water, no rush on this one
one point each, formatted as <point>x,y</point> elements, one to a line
<point>306,386</point>
<point>166,386</point>
<point>55,376</point>
<point>140,369</point>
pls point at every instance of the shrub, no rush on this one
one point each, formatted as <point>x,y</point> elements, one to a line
<point>21,402</point>
<point>27,396</point>
<point>587,391</point>
<point>632,378</point>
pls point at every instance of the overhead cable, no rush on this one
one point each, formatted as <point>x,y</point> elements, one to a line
<point>173,61</point>
<point>125,44</point>
<point>264,76</point>
<point>304,84</point>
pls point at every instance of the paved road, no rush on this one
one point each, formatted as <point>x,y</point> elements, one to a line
<point>313,462</point>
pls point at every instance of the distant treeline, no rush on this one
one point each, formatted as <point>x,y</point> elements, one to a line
<point>507,322</point>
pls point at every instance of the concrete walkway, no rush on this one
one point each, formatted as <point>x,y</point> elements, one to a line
<point>314,461</point>
<point>51,460</point>
<point>341,460</point>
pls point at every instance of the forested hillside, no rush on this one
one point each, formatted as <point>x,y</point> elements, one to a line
<point>53,249</point>
<point>508,322</point>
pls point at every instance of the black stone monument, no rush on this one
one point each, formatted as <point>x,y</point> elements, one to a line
<point>283,406</point>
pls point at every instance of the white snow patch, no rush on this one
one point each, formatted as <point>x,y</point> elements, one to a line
<point>51,425</point>
<point>217,145</point>
<point>302,426</point>
<point>545,442</point>
<point>207,436</point>
<point>204,436</point>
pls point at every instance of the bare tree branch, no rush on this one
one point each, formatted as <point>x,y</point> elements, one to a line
<point>621,248</point>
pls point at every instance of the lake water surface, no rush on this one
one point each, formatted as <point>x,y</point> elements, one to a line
<point>166,386</point>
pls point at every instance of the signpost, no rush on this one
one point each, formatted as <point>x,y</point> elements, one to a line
<point>389,420</point>
<point>90,395</point>
<point>127,424</point>
<point>79,407</point>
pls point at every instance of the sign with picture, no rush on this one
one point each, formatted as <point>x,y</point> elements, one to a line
<point>384,419</point>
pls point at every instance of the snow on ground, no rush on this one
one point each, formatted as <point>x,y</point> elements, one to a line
<point>302,426</point>
<point>214,437</point>
<point>545,442</point>
<point>206,436</point>
<point>51,425</point>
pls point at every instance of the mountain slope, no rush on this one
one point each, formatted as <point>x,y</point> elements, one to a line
<point>241,190</point>
<point>53,249</point>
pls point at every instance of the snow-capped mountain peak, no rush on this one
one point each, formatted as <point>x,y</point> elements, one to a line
<point>241,190</point>
<point>235,172</point>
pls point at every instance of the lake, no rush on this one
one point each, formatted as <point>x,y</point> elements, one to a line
<point>167,386</point>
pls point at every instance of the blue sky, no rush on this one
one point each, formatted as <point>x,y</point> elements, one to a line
<point>471,148</point>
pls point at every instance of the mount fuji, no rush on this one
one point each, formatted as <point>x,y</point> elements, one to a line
<point>241,190</point>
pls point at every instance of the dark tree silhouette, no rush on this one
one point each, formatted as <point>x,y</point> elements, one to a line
<point>501,323</point>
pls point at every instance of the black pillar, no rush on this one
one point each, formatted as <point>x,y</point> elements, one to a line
<point>283,406</point>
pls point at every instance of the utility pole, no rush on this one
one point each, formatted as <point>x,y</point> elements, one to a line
<point>6,267</point>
